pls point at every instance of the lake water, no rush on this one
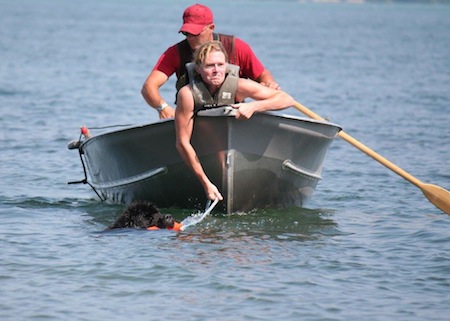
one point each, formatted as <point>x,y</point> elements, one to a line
<point>368,246</point>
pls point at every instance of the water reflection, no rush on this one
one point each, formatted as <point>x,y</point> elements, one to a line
<point>291,224</point>
<point>264,238</point>
<point>269,224</point>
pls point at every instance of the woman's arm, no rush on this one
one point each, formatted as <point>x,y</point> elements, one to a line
<point>265,99</point>
<point>184,124</point>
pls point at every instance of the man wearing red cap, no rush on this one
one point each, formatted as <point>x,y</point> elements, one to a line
<point>198,27</point>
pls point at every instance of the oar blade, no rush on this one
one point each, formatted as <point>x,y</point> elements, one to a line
<point>435,194</point>
<point>438,196</point>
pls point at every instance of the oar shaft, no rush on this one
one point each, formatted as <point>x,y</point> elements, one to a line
<point>368,151</point>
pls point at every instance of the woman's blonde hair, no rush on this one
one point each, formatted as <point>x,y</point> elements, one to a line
<point>203,51</point>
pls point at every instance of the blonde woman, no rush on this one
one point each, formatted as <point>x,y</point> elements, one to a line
<point>213,82</point>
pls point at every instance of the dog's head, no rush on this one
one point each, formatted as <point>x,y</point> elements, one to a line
<point>143,215</point>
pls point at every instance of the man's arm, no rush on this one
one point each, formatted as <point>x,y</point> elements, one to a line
<point>150,92</point>
<point>251,66</point>
<point>266,79</point>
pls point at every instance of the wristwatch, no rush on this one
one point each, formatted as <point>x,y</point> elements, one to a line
<point>161,107</point>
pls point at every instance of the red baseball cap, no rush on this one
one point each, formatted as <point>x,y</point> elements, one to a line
<point>195,18</point>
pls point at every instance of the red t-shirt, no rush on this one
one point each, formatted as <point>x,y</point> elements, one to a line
<point>251,67</point>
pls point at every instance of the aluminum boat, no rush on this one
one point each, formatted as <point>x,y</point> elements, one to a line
<point>270,160</point>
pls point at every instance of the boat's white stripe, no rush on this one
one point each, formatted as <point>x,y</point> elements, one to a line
<point>132,179</point>
<point>288,164</point>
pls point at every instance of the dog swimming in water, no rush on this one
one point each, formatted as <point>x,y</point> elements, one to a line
<point>145,215</point>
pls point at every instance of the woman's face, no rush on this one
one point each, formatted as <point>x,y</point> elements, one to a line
<point>213,69</point>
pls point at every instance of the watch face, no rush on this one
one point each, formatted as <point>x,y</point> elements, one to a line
<point>161,107</point>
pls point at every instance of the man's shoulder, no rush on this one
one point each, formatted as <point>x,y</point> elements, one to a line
<point>241,47</point>
<point>174,50</point>
<point>238,42</point>
<point>175,46</point>
<point>169,61</point>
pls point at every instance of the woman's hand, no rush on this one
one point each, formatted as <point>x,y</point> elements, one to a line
<point>212,192</point>
<point>244,110</point>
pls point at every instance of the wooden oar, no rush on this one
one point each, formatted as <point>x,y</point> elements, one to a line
<point>437,195</point>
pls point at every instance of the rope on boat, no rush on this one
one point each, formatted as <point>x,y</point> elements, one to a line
<point>84,132</point>
<point>111,126</point>
<point>85,180</point>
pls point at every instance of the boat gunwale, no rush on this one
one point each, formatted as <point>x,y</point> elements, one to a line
<point>167,120</point>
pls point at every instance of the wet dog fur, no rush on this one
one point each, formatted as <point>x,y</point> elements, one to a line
<point>142,215</point>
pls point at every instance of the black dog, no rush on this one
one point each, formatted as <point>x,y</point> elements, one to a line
<point>144,215</point>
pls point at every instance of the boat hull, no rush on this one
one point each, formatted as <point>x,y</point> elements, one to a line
<point>269,160</point>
